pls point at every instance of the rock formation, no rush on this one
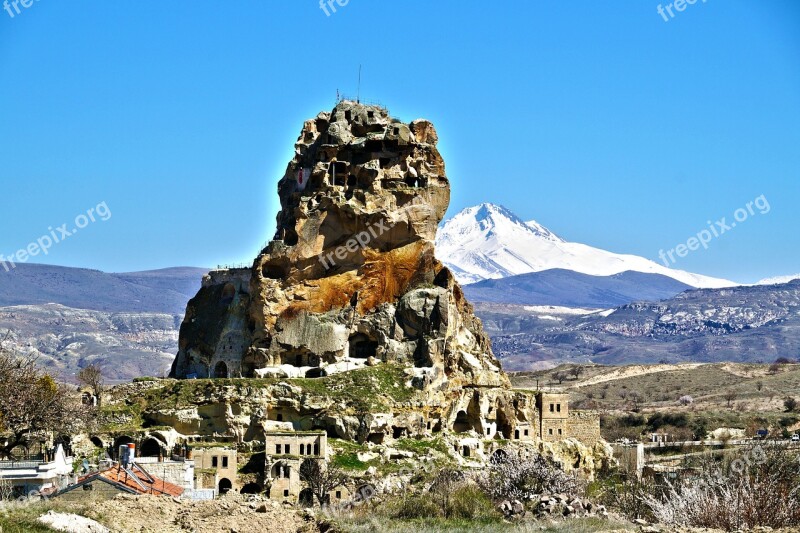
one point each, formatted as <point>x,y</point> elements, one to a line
<point>350,288</point>
<point>350,277</point>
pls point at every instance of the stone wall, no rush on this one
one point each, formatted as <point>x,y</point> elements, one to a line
<point>100,491</point>
<point>584,426</point>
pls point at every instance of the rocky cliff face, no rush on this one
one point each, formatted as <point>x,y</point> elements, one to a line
<point>350,278</point>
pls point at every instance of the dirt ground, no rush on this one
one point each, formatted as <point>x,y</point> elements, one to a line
<point>233,514</point>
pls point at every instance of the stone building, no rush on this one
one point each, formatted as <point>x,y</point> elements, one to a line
<point>216,468</point>
<point>286,451</point>
<point>553,416</point>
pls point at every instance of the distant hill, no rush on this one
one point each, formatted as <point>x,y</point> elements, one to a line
<point>739,324</point>
<point>567,288</point>
<point>156,291</point>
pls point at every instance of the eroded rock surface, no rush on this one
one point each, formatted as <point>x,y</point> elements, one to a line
<point>350,277</point>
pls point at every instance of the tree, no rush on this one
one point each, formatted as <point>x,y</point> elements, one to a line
<point>321,479</point>
<point>559,376</point>
<point>519,478</point>
<point>576,371</point>
<point>92,377</point>
<point>790,404</point>
<point>759,385</point>
<point>686,400</point>
<point>730,396</point>
<point>32,404</point>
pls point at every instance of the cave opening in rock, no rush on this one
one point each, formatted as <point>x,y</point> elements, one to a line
<point>252,488</point>
<point>221,370</point>
<point>272,271</point>
<point>362,347</point>
<point>461,424</point>
<point>151,448</point>
<point>376,438</point>
<point>228,294</point>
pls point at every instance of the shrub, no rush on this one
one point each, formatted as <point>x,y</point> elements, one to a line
<point>790,404</point>
<point>469,502</point>
<point>517,478</point>
<point>417,506</point>
<point>760,489</point>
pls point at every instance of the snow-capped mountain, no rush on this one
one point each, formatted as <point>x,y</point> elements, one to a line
<point>778,280</point>
<point>488,242</point>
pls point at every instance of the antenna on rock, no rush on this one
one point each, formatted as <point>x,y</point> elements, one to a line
<point>358,94</point>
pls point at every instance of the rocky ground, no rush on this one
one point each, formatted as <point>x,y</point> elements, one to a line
<point>235,513</point>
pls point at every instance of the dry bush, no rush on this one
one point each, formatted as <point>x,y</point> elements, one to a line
<point>519,478</point>
<point>762,488</point>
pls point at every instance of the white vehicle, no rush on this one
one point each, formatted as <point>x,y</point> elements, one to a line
<point>795,438</point>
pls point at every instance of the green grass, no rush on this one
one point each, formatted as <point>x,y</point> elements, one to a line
<point>421,446</point>
<point>364,389</point>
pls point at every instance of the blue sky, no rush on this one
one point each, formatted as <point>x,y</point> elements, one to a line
<point>598,119</point>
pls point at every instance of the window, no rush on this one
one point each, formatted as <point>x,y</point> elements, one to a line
<point>288,450</point>
<point>279,417</point>
<point>277,449</point>
<point>550,431</point>
<point>552,407</point>
<point>526,432</point>
<point>287,471</point>
<point>488,431</point>
<point>302,449</point>
<point>224,462</point>
<point>559,431</point>
<point>214,462</point>
<point>316,449</point>
<point>286,494</point>
<point>338,495</point>
<point>558,408</point>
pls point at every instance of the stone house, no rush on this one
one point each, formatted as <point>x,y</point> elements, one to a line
<point>216,468</point>
<point>553,416</point>
<point>286,451</point>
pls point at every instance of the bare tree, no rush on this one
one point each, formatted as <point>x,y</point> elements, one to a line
<point>92,377</point>
<point>730,396</point>
<point>32,404</point>
<point>576,371</point>
<point>559,376</point>
<point>321,479</point>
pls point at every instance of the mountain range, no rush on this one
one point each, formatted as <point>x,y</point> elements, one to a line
<point>543,301</point>
<point>72,317</point>
<point>739,324</point>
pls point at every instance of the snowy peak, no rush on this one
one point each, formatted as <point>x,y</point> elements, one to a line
<point>488,241</point>
<point>778,280</point>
